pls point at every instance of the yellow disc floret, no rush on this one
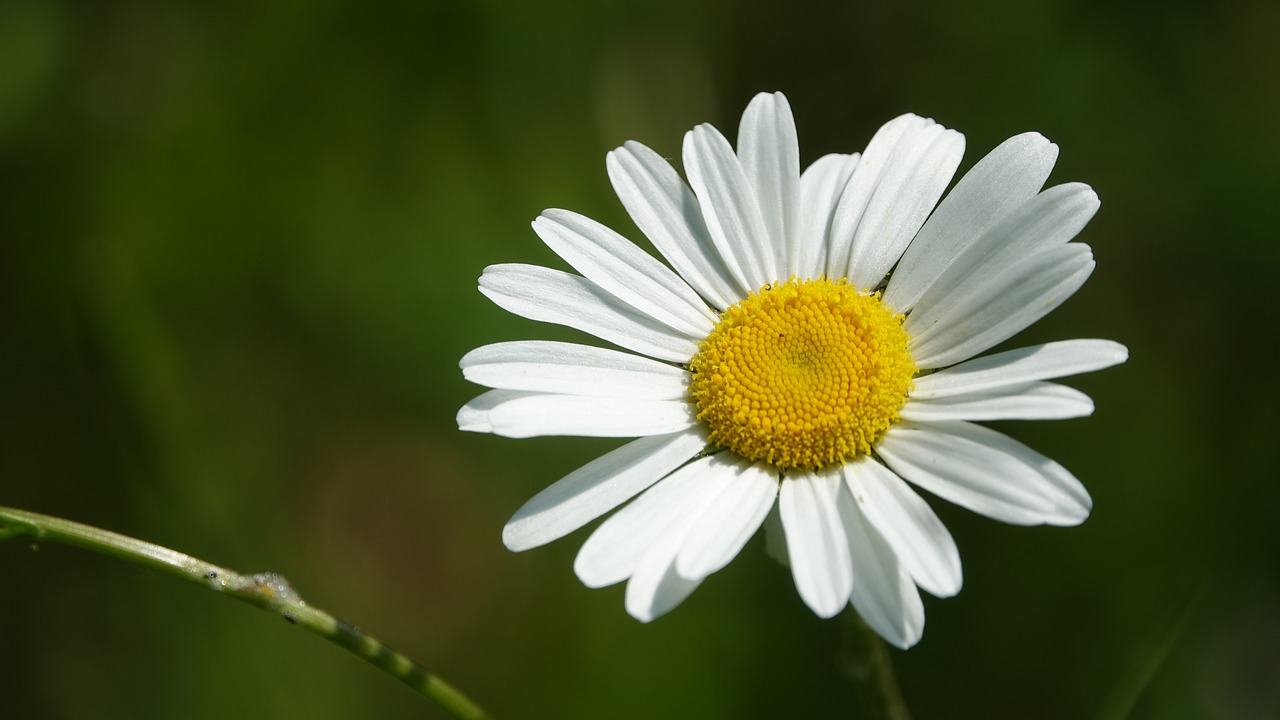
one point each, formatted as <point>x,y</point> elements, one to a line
<point>803,374</point>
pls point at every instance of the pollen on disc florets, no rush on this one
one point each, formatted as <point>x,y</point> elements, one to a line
<point>803,374</point>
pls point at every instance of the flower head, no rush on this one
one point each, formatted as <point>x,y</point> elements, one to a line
<point>809,354</point>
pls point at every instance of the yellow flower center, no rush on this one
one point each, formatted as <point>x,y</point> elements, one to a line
<point>803,374</point>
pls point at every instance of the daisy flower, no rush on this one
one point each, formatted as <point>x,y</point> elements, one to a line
<point>807,359</point>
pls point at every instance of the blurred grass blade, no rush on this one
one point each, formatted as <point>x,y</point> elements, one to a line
<point>1151,656</point>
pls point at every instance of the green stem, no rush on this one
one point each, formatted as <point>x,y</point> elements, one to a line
<point>268,591</point>
<point>865,660</point>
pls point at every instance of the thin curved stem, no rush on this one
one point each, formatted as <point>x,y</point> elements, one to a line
<point>268,591</point>
<point>866,662</point>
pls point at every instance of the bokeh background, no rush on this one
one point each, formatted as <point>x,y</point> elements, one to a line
<point>238,251</point>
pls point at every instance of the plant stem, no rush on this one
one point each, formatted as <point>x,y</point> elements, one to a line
<point>268,591</point>
<point>865,659</point>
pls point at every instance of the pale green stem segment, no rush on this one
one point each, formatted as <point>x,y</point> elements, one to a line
<point>866,662</point>
<point>268,591</point>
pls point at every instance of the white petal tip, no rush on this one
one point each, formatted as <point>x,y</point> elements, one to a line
<point>516,539</point>
<point>644,607</point>
<point>1069,517</point>
<point>1034,139</point>
<point>1071,510</point>
<point>825,608</point>
<point>903,637</point>
<point>943,585</point>
<point>944,591</point>
<point>592,577</point>
<point>642,615</point>
<point>905,643</point>
<point>471,420</point>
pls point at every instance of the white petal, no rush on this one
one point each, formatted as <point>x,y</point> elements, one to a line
<point>553,296</point>
<point>1046,221</point>
<point>729,522</point>
<point>1069,497</point>
<point>1026,401</point>
<point>914,178</point>
<point>770,157</point>
<point>882,591</point>
<point>729,207</point>
<point>986,472</point>
<point>474,416</point>
<point>1014,367</point>
<point>656,588</point>
<point>570,369</point>
<point>1001,307</point>
<point>862,185</point>
<point>624,271</point>
<point>598,487</point>
<point>816,543</point>
<point>1007,177</point>
<point>820,189</point>
<point>615,549</point>
<point>667,212</point>
<point>905,521</point>
<point>540,415</point>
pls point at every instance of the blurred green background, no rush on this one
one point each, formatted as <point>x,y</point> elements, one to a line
<point>238,252</point>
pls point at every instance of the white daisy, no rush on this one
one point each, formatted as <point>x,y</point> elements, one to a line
<point>809,356</point>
